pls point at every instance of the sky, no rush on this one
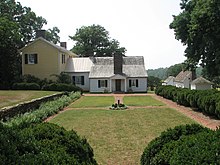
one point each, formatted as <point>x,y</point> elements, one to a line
<point>141,26</point>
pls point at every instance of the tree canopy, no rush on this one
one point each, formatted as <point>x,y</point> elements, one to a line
<point>18,25</point>
<point>94,40</point>
<point>198,27</point>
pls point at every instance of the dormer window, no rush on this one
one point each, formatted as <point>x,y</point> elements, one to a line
<point>30,58</point>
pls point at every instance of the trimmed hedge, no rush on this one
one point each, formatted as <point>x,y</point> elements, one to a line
<point>26,86</point>
<point>43,143</point>
<point>159,150</point>
<point>206,101</point>
<point>61,87</point>
<point>190,144</point>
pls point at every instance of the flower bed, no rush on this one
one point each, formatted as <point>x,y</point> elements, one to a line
<point>117,106</point>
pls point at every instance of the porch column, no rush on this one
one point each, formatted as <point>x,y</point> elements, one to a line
<point>125,85</point>
<point>110,85</point>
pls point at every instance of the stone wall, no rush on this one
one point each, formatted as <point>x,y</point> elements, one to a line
<point>9,112</point>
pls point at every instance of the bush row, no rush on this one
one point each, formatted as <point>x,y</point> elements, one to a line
<point>190,144</point>
<point>27,106</point>
<point>45,110</point>
<point>46,87</point>
<point>43,143</point>
<point>206,101</point>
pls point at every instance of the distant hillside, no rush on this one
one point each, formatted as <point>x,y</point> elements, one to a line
<point>160,73</point>
<point>173,70</point>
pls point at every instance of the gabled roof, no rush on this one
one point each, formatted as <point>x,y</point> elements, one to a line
<point>133,66</point>
<point>201,80</point>
<point>170,78</point>
<point>183,75</point>
<point>78,65</point>
<point>62,49</point>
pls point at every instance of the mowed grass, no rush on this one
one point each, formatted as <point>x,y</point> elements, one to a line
<point>12,97</point>
<point>120,136</point>
<point>141,101</point>
<point>93,101</point>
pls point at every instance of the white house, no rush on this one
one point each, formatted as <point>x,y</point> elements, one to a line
<point>169,81</point>
<point>201,84</point>
<point>183,79</point>
<point>109,74</point>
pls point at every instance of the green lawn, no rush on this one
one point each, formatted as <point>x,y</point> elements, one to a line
<point>12,97</point>
<point>141,101</point>
<point>93,101</point>
<point>119,136</point>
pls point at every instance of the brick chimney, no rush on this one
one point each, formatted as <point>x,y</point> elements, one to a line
<point>40,33</point>
<point>63,44</point>
<point>118,62</point>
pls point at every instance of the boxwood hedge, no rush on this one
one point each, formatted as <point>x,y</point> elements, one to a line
<point>43,143</point>
<point>190,144</point>
<point>206,101</point>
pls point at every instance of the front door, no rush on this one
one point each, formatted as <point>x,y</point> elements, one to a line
<point>118,85</point>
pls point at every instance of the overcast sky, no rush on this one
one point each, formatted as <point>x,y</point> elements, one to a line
<point>141,26</point>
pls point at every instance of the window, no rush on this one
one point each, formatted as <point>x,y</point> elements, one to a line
<point>30,58</point>
<point>78,80</point>
<point>133,83</point>
<point>102,83</point>
<point>63,59</point>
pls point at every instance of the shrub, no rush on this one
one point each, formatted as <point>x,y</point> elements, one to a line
<point>45,110</point>
<point>61,87</point>
<point>152,153</point>
<point>43,143</point>
<point>205,101</point>
<point>26,86</point>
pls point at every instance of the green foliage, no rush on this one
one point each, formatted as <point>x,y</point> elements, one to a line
<point>197,27</point>
<point>160,73</point>
<point>61,87</point>
<point>10,58</point>
<point>26,86</point>
<point>161,149</point>
<point>63,78</point>
<point>52,35</point>
<point>43,143</point>
<point>45,110</point>
<point>153,81</point>
<point>94,40</point>
<point>206,101</point>
<point>174,70</point>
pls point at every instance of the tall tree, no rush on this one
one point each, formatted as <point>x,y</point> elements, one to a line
<point>25,18</point>
<point>9,55</point>
<point>198,27</point>
<point>94,40</point>
<point>52,35</point>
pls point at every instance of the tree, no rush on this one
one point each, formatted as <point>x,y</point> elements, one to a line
<point>198,27</point>
<point>25,18</point>
<point>9,55</point>
<point>153,82</point>
<point>94,40</point>
<point>52,35</point>
<point>174,70</point>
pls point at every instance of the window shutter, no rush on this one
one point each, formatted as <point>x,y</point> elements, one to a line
<point>129,83</point>
<point>106,83</point>
<point>26,58</point>
<point>99,84</point>
<point>74,79</point>
<point>136,82</point>
<point>35,59</point>
<point>82,80</point>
